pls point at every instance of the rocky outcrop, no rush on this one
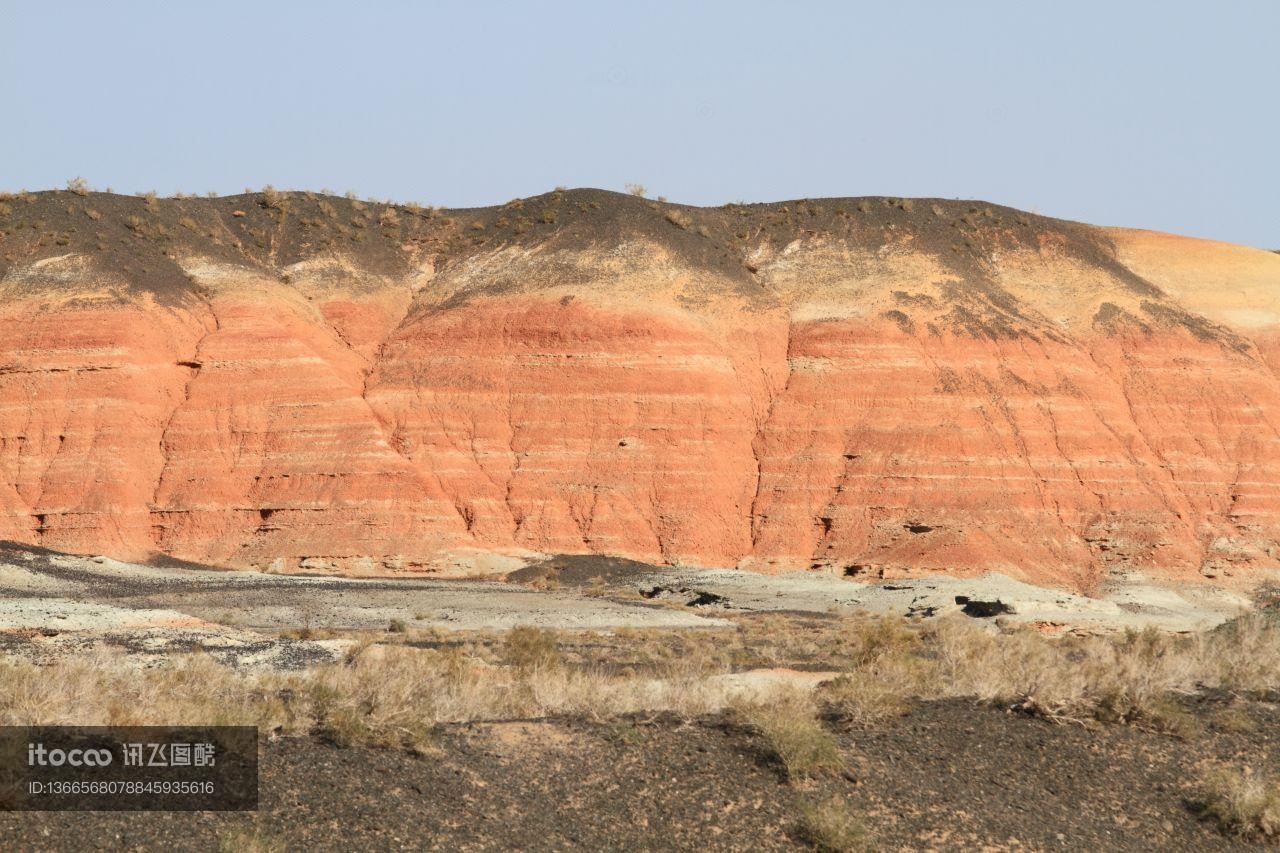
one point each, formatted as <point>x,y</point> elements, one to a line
<point>869,387</point>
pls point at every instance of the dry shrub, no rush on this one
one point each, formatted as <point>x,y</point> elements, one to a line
<point>680,219</point>
<point>832,827</point>
<point>787,723</point>
<point>1242,803</point>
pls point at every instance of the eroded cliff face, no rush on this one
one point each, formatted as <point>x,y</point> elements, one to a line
<point>869,387</point>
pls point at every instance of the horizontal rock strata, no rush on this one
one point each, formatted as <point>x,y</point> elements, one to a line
<point>868,387</point>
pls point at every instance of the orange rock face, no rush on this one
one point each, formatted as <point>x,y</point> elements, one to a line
<point>909,391</point>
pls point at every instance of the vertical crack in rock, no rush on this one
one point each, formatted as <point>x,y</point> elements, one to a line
<point>193,364</point>
<point>760,441</point>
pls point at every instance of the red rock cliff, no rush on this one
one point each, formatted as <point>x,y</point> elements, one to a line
<point>869,387</point>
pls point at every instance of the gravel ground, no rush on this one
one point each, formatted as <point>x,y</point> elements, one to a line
<point>947,776</point>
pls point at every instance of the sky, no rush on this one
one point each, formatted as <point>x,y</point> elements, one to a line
<point>1149,114</point>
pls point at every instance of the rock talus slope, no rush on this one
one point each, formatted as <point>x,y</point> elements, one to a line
<point>870,387</point>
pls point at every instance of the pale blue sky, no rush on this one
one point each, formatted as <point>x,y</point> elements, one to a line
<point>1154,114</point>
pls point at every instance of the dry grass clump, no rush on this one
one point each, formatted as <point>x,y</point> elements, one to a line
<point>787,723</point>
<point>680,219</point>
<point>832,827</point>
<point>887,667</point>
<point>242,840</point>
<point>528,648</point>
<point>272,197</point>
<point>1242,803</point>
<point>1233,720</point>
<point>104,688</point>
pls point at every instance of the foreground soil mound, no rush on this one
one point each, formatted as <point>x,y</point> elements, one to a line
<point>874,387</point>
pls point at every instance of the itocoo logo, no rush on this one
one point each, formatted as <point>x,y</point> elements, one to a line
<point>39,755</point>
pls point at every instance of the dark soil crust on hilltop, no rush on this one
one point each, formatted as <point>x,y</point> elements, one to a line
<point>950,776</point>
<point>141,238</point>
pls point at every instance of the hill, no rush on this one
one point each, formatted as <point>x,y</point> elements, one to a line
<point>871,387</point>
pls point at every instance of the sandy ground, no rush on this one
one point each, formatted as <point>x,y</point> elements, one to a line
<point>1127,601</point>
<point>52,604</point>
<point>1131,602</point>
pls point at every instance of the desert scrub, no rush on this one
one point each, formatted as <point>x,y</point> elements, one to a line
<point>388,696</point>
<point>788,727</point>
<point>832,827</point>
<point>1131,678</point>
<point>1242,803</point>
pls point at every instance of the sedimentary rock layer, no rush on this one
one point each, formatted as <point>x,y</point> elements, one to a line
<point>871,387</point>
